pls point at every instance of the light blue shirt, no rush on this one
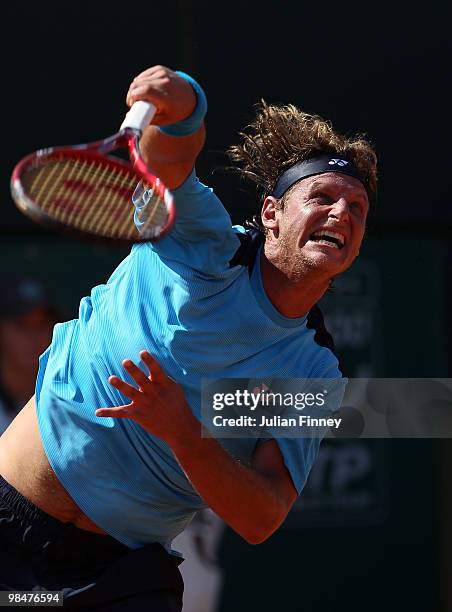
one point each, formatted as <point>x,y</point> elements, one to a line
<point>180,300</point>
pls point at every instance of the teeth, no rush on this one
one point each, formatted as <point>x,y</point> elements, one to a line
<point>329,234</point>
<point>328,243</point>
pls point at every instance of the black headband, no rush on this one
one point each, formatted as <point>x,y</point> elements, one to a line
<point>326,162</point>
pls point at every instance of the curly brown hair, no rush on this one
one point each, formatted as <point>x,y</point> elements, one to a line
<point>281,136</point>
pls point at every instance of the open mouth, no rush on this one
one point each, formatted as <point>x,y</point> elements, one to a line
<point>328,238</point>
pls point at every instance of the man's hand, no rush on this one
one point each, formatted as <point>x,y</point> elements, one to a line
<point>172,95</point>
<point>158,405</point>
<point>168,157</point>
<point>252,500</point>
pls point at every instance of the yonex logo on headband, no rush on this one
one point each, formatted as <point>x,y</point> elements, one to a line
<point>338,162</point>
<point>315,165</point>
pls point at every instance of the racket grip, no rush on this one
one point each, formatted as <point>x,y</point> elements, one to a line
<point>139,116</point>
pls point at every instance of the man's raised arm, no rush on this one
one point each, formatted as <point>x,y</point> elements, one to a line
<point>171,144</point>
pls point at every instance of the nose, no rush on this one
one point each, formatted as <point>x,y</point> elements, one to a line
<point>339,210</point>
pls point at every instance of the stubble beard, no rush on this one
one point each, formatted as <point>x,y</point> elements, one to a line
<point>299,266</point>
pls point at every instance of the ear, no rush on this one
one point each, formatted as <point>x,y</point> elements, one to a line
<point>269,214</point>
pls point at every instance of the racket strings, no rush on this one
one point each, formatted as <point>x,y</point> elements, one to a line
<point>91,196</point>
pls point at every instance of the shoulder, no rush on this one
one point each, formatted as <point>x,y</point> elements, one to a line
<point>316,322</point>
<point>250,240</point>
<point>326,362</point>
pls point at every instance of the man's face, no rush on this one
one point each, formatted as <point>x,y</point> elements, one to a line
<point>321,226</point>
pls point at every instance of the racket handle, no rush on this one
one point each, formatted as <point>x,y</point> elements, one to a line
<point>139,116</point>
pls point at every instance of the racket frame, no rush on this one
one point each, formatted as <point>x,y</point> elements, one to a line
<point>98,151</point>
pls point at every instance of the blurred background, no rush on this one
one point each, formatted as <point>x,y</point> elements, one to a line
<point>373,528</point>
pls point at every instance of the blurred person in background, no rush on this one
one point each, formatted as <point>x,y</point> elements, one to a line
<point>27,318</point>
<point>201,571</point>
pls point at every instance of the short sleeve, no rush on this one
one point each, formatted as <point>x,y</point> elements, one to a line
<point>299,456</point>
<point>300,453</point>
<point>202,235</point>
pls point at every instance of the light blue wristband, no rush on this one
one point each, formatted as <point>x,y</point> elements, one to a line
<point>191,124</point>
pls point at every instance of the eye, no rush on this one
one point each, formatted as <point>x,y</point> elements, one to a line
<point>357,207</point>
<point>322,197</point>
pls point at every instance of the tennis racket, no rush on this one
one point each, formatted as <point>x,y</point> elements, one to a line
<point>83,190</point>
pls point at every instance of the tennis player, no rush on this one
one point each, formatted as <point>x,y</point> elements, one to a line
<point>106,464</point>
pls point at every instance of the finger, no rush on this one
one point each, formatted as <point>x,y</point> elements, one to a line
<point>125,388</point>
<point>143,93</point>
<point>155,369</point>
<point>153,81</point>
<point>137,374</point>
<point>153,71</point>
<point>119,412</point>
<point>148,89</point>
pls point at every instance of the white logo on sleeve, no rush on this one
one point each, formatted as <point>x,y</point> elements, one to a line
<point>338,162</point>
